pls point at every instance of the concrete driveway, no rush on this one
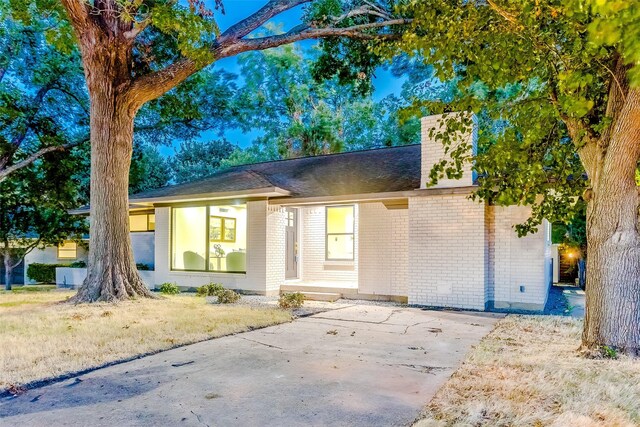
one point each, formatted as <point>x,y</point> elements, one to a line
<point>358,365</point>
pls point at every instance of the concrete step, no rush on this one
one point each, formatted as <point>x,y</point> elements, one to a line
<point>319,289</point>
<point>321,296</point>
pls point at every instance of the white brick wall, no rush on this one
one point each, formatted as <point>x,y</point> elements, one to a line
<point>447,252</point>
<point>276,247</point>
<point>143,244</point>
<point>383,250</point>
<point>432,150</point>
<point>313,265</point>
<point>520,261</point>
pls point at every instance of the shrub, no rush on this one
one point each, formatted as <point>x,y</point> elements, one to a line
<point>143,267</point>
<point>292,300</point>
<point>209,290</point>
<point>78,264</point>
<point>43,273</point>
<point>227,296</point>
<point>169,288</point>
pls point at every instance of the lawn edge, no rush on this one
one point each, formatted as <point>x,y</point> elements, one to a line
<point>36,384</point>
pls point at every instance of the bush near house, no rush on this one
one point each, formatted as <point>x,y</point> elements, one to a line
<point>291,300</point>
<point>225,296</point>
<point>169,288</point>
<point>143,267</point>
<point>43,273</point>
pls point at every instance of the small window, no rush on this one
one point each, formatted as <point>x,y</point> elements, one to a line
<point>340,233</point>
<point>144,222</point>
<point>222,229</point>
<point>68,250</point>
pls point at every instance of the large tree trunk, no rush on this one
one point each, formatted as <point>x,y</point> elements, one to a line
<point>613,261</point>
<point>112,274</point>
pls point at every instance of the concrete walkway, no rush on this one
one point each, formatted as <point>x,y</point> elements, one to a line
<point>357,365</point>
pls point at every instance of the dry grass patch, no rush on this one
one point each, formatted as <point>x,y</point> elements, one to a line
<point>42,338</point>
<point>527,372</point>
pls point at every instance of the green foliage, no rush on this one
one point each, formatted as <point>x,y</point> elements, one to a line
<point>149,169</point>
<point>209,290</point>
<point>143,267</point>
<point>169,288</point>
<point>198,159</point>
<point>43,273</point>
<point>291,300</point>
<point>227,296</point>
<point>298,115</point>
<point>78,264</point>
<point>224,296</point>
<point>609,352</point>
<point>527,70</point>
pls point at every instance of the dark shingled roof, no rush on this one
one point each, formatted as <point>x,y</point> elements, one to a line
<point>357,172</point>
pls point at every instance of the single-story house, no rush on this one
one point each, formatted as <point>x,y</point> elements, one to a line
<point>362,224</point>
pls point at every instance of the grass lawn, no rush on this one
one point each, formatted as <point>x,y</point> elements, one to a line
<point>43,338</point>
<point>527,373</point>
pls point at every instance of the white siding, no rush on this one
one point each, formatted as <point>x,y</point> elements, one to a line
<point>447,252</point>
<point>383,250</point>
<point>314,266</point>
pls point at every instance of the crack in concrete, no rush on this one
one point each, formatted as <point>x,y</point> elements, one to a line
<point>261,343</point>
<point>432,330</point>
<point>199,419</point>
<point>359,321</point>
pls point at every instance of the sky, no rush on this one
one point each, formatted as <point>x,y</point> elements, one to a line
<point>236,10</point>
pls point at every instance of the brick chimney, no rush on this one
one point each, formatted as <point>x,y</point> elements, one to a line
<point>433,150</point>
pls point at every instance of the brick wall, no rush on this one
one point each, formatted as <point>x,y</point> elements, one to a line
<point>383,250</point>
<point>313,265</point>
<point>276,247</point>
<point>520,262</point>
<point>433,149</point>
<point>447,255</point>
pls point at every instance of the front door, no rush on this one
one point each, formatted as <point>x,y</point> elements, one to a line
<point>292,243</point>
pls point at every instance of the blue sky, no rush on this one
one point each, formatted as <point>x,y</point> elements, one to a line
<point>236,10</point>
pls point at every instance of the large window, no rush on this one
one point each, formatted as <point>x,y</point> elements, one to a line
<point>340,229</point>
<point>209,238</point>
<point>142,222</point>
<point>68,250</point>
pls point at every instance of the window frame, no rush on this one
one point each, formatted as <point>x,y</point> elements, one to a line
<point>327,234</point>
<point>67,257</point>
<point>208,216</point>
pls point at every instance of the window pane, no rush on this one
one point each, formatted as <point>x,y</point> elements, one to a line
<point>340,246</point>
<point>68,250</point>
<point>152,222</point>
<point>228,238</point>
<point>340,219</point>
<point>189,238</point>
<point>138,223</point>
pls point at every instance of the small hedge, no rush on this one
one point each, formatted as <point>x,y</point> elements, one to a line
<point>225,296</point>
<point>43,273</point>
<point>46,273</point>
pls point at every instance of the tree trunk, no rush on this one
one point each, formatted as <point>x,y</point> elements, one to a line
<point>8,268</point>
<point>613,240</point>
<point>111,271</point>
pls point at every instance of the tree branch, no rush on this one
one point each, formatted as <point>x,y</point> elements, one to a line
<point>255,21</point>
<point>155,84</point>
<point>35,156</point>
